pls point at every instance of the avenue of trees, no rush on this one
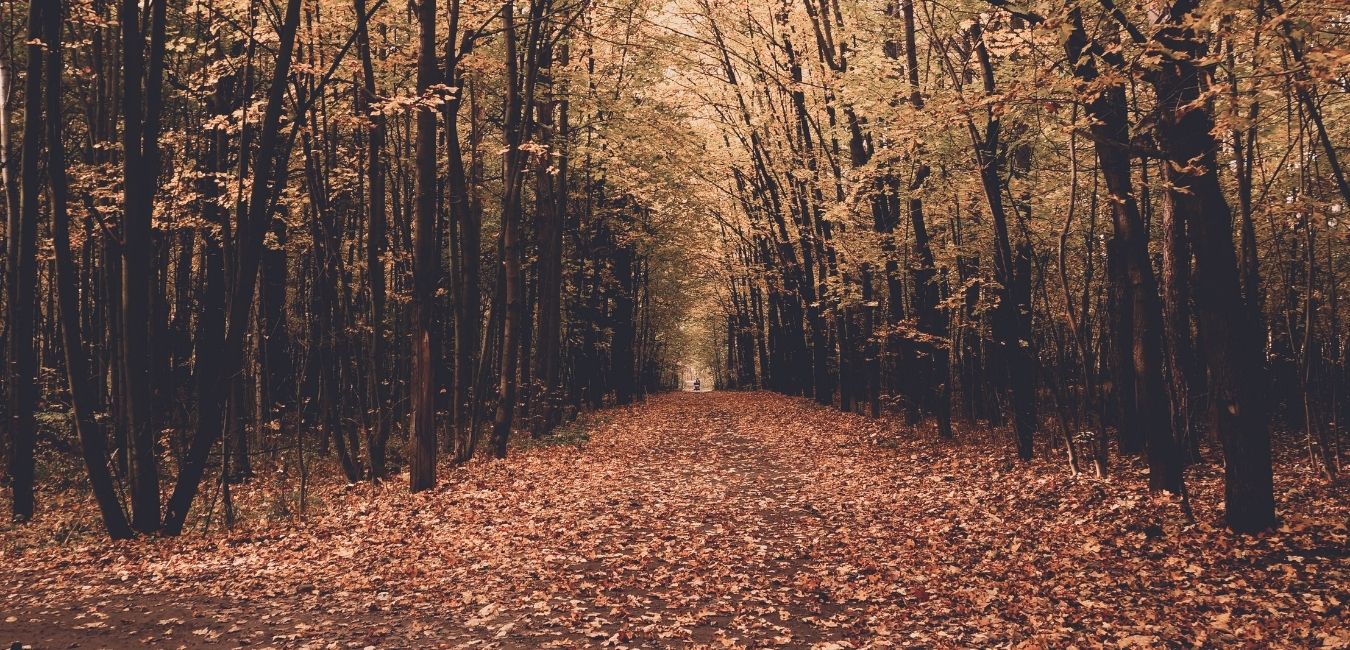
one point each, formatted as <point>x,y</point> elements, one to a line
<point>1106,226</point>
<point>251,234</point>
<point>241,232</point>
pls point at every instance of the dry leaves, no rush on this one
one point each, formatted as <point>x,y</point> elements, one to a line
<point>723,520</point>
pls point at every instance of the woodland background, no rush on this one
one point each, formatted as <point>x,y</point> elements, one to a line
<point>248,236</point>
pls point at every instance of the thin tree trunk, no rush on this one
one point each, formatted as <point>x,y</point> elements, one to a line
<point>249,238</point>
<point>93,442</point>
<point>377,431</point>
<point>23,362</point>
<point>426,264</point>
<point>140,134</point>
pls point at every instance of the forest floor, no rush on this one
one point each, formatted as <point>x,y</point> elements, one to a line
<point>718,520</point>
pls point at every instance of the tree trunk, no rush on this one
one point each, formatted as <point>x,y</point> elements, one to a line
<point>1230,343</point>
<point>1138,305</point>
<point>426,265</point>
<point>93,441</point>
<point>377,431</point>
<point>140,109</point>
<point>23,362</point>
<point>551,210</point>
<point>249,239</point>
<point>1011,318</point>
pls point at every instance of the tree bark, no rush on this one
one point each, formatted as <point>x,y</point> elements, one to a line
<point>140,135</point>
<point>23,362</point>
<point>377,427</point>
<point>93,442</point>
<point>1138,305</point>
<point>247,250</point>
<point>426,263</point>
<point>1229,341</point>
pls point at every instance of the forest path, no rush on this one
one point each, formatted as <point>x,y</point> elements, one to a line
<point>704,519</point>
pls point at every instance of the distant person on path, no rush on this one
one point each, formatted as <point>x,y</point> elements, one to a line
<point>697,385</point>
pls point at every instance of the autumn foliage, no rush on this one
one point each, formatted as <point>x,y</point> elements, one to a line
<point>719,520</point>
<point>372,322</point>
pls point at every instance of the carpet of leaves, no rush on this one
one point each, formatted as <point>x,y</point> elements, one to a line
<point>719,520</point>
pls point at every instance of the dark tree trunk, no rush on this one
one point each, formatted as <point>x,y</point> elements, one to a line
<point>622,346</point>
<point>22,287</point>
<point>551,211</point>
<point>520,86</point>
<point>467,216</point>
<point>1012,316</point>
<point>426,265</point>
<point>141,105</point>
<point>377,427</point>
<point>1229,340</point>
<point>93,441</point>
<point>927,296</point>
<point>249,239</point>
<point>1137,300</point>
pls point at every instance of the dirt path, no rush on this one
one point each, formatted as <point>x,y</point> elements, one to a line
<point>710,519</point>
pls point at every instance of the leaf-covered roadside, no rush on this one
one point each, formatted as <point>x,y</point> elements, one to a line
<point>723,519</point>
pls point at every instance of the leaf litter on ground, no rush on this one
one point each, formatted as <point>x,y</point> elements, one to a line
<point>717,520</point>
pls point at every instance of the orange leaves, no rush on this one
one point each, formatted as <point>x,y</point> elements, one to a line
<point>724,520</point>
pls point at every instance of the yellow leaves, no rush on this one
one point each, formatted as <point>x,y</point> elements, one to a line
<point>433,99</point>
<point>181,44</point>
<point>535,150</point>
